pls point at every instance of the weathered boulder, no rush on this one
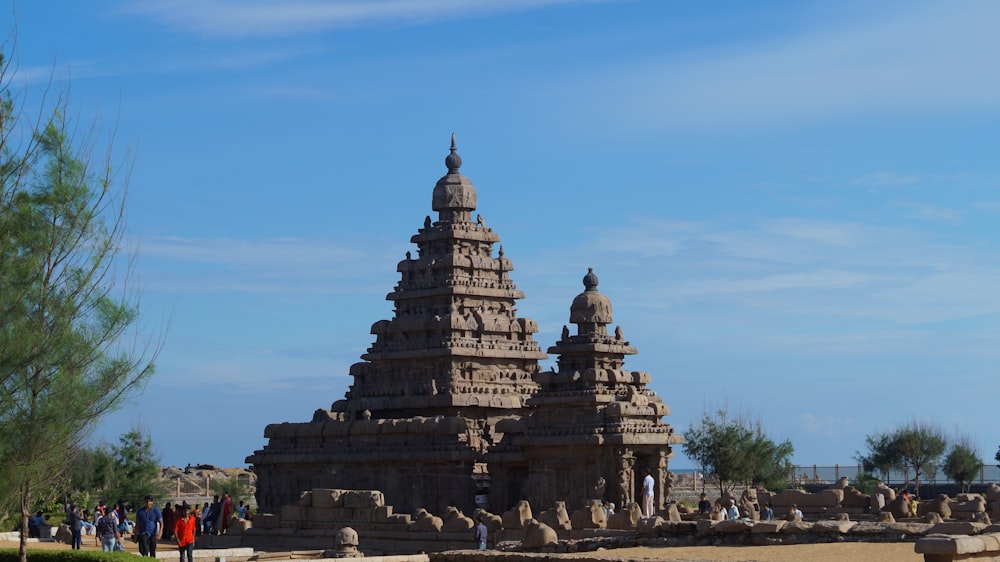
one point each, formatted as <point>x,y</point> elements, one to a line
<point>650,525</point>
<point>590,516</point>
<point>63,534</point>
<point>853,498</point>
<point>885,517</point>
<point>456,522</point>
<point>898,507</point>
<point>515,517</point>
<point>672,512</point>
<point>627,518</point>
<point>538,535</point>
<point>238,527</point>
<point>424,520</point>
<point>492,521</point>
<point>940,505</point>
<point>557,517</point>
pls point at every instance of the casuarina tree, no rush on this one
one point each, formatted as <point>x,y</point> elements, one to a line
<point>70,347</point>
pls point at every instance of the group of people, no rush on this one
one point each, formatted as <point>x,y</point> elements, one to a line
<point>728,510</point>
<point>180,522</point>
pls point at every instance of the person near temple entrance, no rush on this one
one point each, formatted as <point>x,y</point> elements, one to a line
<point>647,494</point>
<point>480,535</point>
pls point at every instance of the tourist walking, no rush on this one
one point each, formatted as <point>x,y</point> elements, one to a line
<point>184,531</point>
<point>149,527</point>
<point>647,494</point>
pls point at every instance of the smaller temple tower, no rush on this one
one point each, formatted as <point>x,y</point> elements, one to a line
<point>594,426</point>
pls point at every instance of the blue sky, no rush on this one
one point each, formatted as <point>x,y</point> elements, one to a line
<point>793,206</point>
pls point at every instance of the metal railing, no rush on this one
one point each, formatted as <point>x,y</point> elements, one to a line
<point>896,476</point>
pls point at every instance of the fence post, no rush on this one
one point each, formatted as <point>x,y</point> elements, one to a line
<point>836,472</point>
<point>815,474</point>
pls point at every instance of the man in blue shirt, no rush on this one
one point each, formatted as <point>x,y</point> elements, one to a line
<point>149,527</point>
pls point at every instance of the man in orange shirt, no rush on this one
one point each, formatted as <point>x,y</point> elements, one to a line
<point>184,531</point>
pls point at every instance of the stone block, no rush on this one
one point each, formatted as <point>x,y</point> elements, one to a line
<point>869,528</point>
<point>265,521</point>
<point>650,525</point>
<point>836,527</point>
<point>796,527</point>
<point>319,514</point>
<point>363,498</point>
<point>730,526</point>
<point>909,528</point>
<point>773,526</point>
<point>991,541</point>
<point>956,528</point>
<point>705,526</point>
<point>292,513</point>
<point>325,497</point>
<point>952,545</point>
<point>382,513</point>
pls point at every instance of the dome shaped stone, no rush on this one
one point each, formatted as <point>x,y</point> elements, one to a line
<point>590,306</point>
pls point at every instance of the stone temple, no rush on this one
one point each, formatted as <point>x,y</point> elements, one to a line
<point>450,407</point>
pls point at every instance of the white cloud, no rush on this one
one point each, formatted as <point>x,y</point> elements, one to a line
<point>264,18</point>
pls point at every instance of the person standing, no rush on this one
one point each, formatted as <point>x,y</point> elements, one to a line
<point>149,527</point>
<point>647,494</point>
<point>479,534</point>
<point>704,506</point>
<point>107,530</point>
<point>184,531</point>
<point>227,512</point>
<point>75,522</point>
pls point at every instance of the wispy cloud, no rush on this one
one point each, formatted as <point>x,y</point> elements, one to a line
<point>933,58</point>
<point>263,18</point>
<point>270,266</point>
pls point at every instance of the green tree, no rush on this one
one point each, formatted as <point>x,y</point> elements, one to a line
<point>882,455</point>
<point>737,451</point>
<point>920,445</point>
<point>962,464</point>
<point>69,347</point>
<point>136,471</point>
<point>917,445</point>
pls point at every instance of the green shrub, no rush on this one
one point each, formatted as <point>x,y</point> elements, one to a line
<point>11,555</point>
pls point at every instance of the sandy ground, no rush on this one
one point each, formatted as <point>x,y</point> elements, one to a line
<point>850,552</point>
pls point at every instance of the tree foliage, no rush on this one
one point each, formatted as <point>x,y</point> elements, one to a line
<point>68,343</point>
<point>737,452</point>
<point>917,445</point>
<point>962,464</point>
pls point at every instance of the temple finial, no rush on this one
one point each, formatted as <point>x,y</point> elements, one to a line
<point>453,161</point>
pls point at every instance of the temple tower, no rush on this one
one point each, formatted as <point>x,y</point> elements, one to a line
<point>452,362</point>
<point>594,426</point>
